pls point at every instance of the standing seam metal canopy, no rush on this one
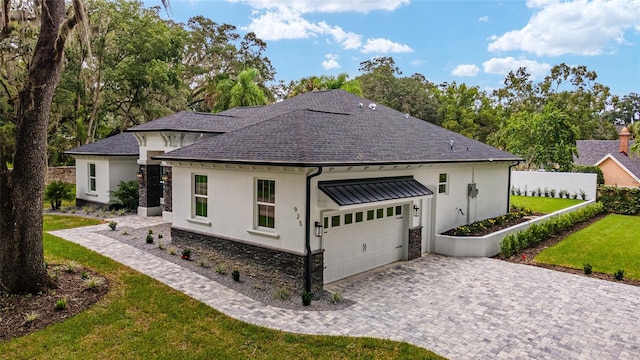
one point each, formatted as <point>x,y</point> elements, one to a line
<point>363,191</point>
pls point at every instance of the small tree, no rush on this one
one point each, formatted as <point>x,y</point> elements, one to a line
<point>57,191</point>
<point>127,194</point>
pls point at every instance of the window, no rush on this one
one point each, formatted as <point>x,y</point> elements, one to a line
<point>359,216</point>
<point>200,195</point>
<point>390,211</point>
<point>379,213</point>
<point>335,220</point>
<point>443,182</point>
<point>266,203</point>
<point>370,214</point>
<point>92,177</point>
<point>348,219</point>
<point>399,210</point>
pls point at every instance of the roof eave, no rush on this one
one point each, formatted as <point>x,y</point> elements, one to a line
<point>329,163</point>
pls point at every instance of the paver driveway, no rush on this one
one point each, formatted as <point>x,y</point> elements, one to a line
<point>461,308</point>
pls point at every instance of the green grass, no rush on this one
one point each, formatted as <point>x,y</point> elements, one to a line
<point>542,204</point>
<point>609,244</point>
<point>141,318</point>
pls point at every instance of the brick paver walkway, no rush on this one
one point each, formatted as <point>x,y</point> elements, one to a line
<point>461,308</point>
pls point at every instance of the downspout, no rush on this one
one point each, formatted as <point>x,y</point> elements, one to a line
<point>307,276</point>
<point>509,186</point>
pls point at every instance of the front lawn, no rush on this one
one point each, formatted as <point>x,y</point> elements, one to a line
<point>542,205</point>
<point>141,318</point>
<point>609,244</point>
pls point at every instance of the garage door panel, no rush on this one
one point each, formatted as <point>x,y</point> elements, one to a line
<point>361,246</point>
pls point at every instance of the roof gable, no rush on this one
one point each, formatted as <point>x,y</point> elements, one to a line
<point>593,152</point>
<point>335,127</point>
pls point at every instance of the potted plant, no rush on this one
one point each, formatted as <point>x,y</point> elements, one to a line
<point>186,254</point>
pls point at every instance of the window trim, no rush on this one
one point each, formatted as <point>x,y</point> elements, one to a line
<point>93,177</point>
<point>258,204</point>
<point>443,183</point>
<point>195,196</point>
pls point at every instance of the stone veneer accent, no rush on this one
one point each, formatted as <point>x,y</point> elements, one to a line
<point>415,243</point>
<point>149,185</point>
<point>168,193</point>
<point>278,268</point>
<point>93,204</point>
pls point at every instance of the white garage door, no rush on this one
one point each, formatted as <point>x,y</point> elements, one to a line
<point>361,240</point>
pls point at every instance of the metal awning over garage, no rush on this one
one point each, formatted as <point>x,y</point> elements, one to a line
<point>364,191</point>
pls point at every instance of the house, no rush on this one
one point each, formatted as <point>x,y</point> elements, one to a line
<point>101,165</point>
<point>318,187</point>
<point>613,158</point>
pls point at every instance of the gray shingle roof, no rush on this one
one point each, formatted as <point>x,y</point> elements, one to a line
<point>329,127</point>
<point>592,151</point>
<point>118,145</point>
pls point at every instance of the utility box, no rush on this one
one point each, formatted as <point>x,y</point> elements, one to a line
<point>472,190</point>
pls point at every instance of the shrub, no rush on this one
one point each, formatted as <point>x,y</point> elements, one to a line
<point>186,254</point>
<point>515,243</point>
<point>30,317</point>
<point>620,200</point>
<point>172,251</point>
<point>619,274</point>
<point>583,195</point>
<point>160,245</point>
<point>336,297</point>
<point>57,191</point>
<point>552,193</point>
<point>587,268</point>
<point>220,269</point>
<point>61,304</point>
<point>235,274</point>
<point>202,263</point>
<point>93,282</point>
<point>112,225</point>
<point>282,294</point>
<point>149,239</point>
<point>159,236</point>
<point>127,194</point>
<point>71,266</point>
<point>306,298</point>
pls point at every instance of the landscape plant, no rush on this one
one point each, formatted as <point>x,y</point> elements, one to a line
<point>127,194</point>
<point>57,191</point>
<point>515,243</point>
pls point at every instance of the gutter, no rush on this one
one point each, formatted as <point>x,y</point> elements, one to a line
<point>307,235</point>
<point>509,186</point>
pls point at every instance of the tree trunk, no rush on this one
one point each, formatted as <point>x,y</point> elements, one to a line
<point>21,249</point>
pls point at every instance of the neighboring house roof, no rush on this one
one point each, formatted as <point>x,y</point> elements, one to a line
<point>117,145</point>
<point>334,127</point>
<point>593,152</point>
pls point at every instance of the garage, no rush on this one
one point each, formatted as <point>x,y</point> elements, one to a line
<point>357,241</point>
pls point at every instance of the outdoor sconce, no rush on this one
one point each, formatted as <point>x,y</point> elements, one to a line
<point>416,209</point>
<point>165,178</point>
<point>318,227</point>
<point>140,174</point>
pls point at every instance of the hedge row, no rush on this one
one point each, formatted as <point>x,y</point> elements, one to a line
<point>620,200</point>
<point>515,243</point>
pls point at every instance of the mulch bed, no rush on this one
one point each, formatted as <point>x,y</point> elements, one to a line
<point>527,257</point>
<point>71,286</point>
<point>496,227</point>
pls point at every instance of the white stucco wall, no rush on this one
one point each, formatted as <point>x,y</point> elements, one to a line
<point>109,172</point>
<point>232,200</point>
<point>572,182</point>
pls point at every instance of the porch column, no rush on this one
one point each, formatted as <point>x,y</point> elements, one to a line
<point>150,190</point>
<point>167,210</point>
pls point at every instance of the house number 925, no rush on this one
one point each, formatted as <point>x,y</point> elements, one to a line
<point>295,211</point>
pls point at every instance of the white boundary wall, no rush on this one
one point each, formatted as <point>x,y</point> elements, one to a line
<point>489,245</point>
<point>572,182</point>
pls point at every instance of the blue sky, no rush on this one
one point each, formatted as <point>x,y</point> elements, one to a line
<point>475,42</point>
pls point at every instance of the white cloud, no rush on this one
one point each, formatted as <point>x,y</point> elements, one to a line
<point>576,27</point>
<point>502,66</point>
<point>484,19</point>
<point>327,6</point>
<point>331,62</point>
<point>380,45</point>
<point>417,62</point>
<point>465,70</point>
<point>348,40</point>
<point>283,24</point>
